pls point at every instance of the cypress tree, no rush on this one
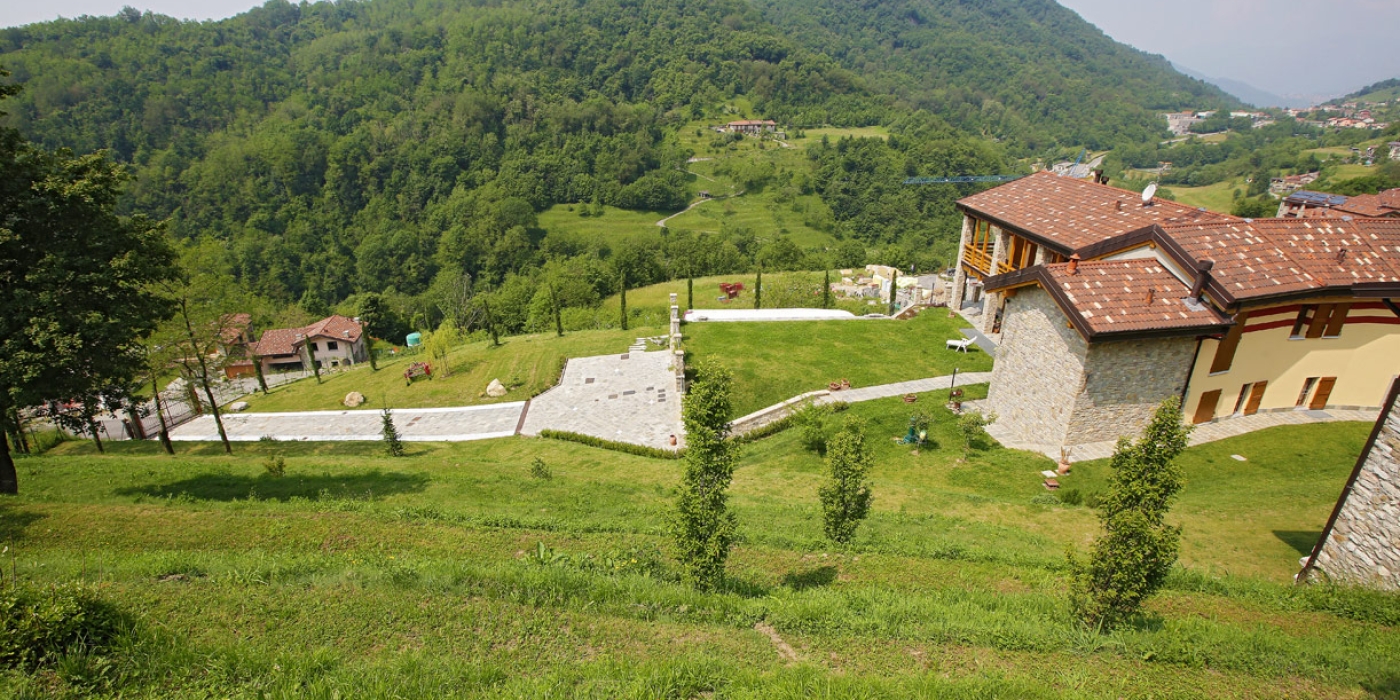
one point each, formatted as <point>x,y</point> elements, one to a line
<point>758,289</point>
<point>894,287</point>
<point>826,291</point>
<point>622,286</point>
<point>1132,558</point>
<point>702,525</point>
<point>689,293</point>
<point>393,445</point>
<point>558,313</point>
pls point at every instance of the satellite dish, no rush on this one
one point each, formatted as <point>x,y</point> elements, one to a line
<point>1147,194</point>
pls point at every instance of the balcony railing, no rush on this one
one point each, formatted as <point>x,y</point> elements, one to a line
<point>979,259</point>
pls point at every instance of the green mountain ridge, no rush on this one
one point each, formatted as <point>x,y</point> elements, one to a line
<point>332,149</point>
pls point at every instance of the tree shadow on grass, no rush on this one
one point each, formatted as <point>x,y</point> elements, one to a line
<point>1384,688</point>
<point>812,578</point>
<point>14,521</point>
<point>370,485</point>
<point>1301,541</point>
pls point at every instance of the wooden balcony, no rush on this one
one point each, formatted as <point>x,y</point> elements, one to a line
<point>978,259</point>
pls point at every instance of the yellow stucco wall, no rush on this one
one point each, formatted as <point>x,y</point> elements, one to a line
<point>1364,359</point>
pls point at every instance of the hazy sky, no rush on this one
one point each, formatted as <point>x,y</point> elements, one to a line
<point>1283,46</point>
<point>1299,47</point>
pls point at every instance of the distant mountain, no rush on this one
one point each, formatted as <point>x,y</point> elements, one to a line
<point>1252,95</point>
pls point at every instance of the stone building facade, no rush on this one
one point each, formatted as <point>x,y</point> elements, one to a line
<point>1361,543</point>
<point>1051,386</point>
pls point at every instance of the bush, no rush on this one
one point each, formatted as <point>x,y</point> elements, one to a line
<point>629,448</point>
<point>540,470</point>
<point>812,419</point>
<point>846,495</point>
<point>275,466</point>
<point>1071,497</point>
<point>38,626</point>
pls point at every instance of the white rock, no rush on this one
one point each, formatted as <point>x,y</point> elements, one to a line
<point>237,406</point>
<point>496,388</point>
<point>354,399</point>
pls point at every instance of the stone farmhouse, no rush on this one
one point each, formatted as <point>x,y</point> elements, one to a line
<point>335,340</point>
<point>1103,305</point>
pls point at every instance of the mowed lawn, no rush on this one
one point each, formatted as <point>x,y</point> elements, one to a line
<point>452,572</point>
<point>775,361</point>
<point>528,364</point>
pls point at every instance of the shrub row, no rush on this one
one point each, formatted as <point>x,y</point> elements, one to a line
<point>629,448</point>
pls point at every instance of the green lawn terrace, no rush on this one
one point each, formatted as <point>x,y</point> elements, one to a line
<point>771,361</point>
<point>453,572</point>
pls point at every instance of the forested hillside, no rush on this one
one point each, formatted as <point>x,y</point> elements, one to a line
<point>335,149</point>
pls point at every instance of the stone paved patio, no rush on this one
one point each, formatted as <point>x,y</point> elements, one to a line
<point>629,397</point>
<point>414,424</point>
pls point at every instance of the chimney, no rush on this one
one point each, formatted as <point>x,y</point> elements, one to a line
<point>1150,294</point>
<point>1341,256</point>
<point>1202,278</point>
<point>1118,205</point>
<point>1073,264</point>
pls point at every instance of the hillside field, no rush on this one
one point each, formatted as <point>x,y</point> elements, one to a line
<point>453,572</point>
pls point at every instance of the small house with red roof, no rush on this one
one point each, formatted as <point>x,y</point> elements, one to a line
<point>334,341</point>
<point>1104,303</point>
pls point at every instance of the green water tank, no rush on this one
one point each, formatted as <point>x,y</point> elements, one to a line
<point>414,340</point>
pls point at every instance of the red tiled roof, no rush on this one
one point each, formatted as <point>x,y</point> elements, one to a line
<point>1269,257</point>
<point>284,341</point>
<point>1386,203</point>
<point>1074,213</point>
<point>1125,296</point>
<point>233,326</point>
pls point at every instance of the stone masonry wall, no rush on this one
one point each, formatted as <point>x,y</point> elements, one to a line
<point>1038,372</point>
<point>1124,381</point>
<point>1363,546</point>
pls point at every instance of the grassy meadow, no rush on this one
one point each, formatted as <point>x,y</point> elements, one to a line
<point>453,572</point>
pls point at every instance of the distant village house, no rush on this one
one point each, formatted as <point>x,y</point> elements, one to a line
<point>335,341</point>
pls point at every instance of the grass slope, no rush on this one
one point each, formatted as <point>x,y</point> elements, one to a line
<point>452,573</point>
<point>776,361</point>
<point>529,364</point>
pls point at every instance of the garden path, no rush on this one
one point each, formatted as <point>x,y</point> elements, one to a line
<point>414,424</point>
<point>630,397</point>
<point>1206,432</point>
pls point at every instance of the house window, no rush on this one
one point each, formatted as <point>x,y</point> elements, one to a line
<point>332,345</point>
<point>1305,316</point>
<point>1307,389</point>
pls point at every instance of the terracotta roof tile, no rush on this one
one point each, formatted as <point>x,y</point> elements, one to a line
<point>1075,213</point>
<point>1123,296</point>
<point>284,341</point>
<point>1386,203</point>
<point>1279,256</point>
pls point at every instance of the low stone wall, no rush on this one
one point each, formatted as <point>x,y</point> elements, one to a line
<point>1361,545</point>
<point>773,413</point>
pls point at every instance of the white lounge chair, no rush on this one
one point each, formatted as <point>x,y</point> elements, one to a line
<point>960,344</point>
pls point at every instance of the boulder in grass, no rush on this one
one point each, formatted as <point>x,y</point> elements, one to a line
<point>354,399</point>
<point>237,406</point>
<point>496,389</point>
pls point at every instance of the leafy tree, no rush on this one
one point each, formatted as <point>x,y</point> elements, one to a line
<point>393,444</point>
<point>846,494</point>
<point>439,344</point>
<point>702,525</point>
<point>1131,560</point>
<point>973,425</point>
<point>75,278</point>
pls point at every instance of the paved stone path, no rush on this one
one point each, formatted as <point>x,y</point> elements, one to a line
<point>1206,432</point>
<point>414,424</point>
<point>628,397</point>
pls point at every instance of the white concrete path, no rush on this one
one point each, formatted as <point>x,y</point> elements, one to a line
<point>414,424</point>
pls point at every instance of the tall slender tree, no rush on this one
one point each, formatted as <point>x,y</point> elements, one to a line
<point>758,289</point>
<point>75,280</point>
<point>702,525</point>
<point>622,288</point>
